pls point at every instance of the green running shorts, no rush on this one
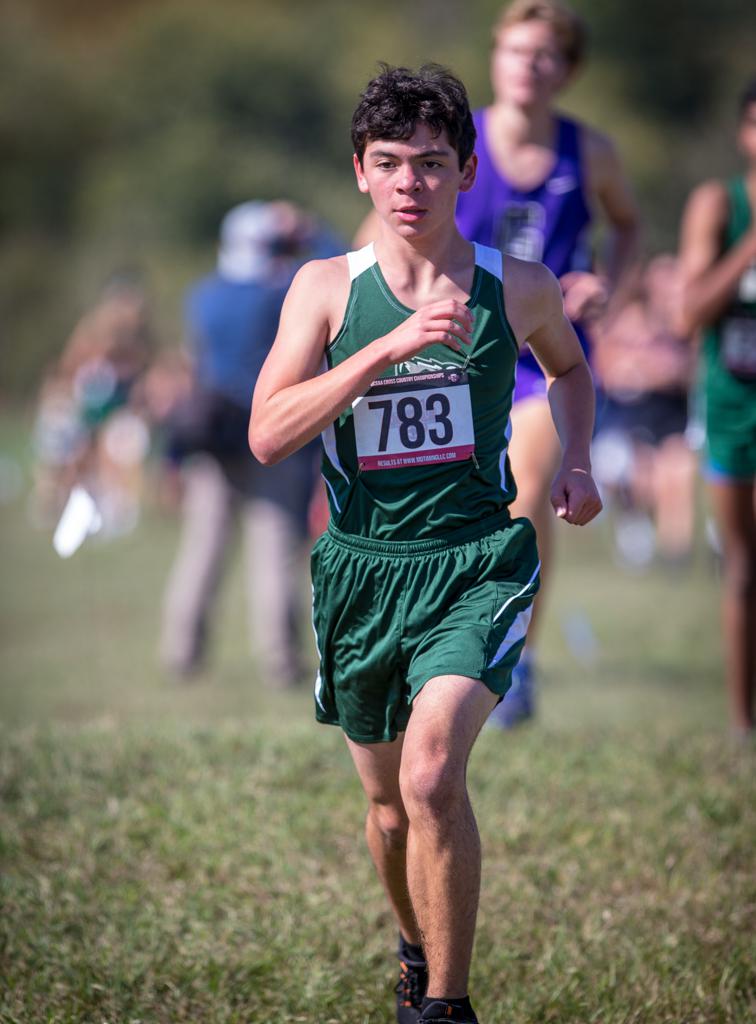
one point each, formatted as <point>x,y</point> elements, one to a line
<point>389,616</point>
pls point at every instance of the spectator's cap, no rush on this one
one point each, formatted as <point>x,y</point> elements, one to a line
<point>249,238</point>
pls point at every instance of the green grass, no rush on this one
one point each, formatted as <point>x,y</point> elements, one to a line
<point>195,852</point>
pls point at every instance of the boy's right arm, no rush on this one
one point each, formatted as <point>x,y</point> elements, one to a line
<point>294,401</point>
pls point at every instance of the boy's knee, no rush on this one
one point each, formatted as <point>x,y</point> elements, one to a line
<point>432,786</point>
<point>392,824</point>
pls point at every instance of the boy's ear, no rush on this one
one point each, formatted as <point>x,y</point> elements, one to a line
<point>362,184</point>
<point>468,174</point>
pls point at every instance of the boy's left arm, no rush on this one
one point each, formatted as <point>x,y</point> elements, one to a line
<point>574,494</point>
<point>540,321</point>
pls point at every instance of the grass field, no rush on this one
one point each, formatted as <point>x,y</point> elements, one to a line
<point>195,852</point>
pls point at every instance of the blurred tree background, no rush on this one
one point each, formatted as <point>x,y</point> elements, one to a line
<point>128,127</point>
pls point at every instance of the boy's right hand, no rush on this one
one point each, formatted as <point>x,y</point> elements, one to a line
<point>446,322</point>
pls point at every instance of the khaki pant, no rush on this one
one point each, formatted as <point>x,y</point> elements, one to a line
<point>271,506</point>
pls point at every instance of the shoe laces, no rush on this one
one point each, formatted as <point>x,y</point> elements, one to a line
<point>413,979</point>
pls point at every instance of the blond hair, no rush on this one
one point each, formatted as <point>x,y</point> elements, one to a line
<point>569,28</point>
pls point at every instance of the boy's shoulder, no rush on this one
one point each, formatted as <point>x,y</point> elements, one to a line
<point>320,272</point>
<point>530,289</point>
<point>527,278</point>
<point>317,280</point>
<point>320,290</point>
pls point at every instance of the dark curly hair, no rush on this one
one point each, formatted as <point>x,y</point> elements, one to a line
<point>396,99</point>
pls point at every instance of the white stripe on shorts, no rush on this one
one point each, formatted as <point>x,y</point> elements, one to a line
<point>319,679</point>
<point>519,593</point>
<point>516,632</point>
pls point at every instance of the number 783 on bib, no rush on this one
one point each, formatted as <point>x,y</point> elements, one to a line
<point>416,420</point>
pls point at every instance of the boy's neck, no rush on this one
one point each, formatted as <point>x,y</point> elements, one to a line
<point>415,265</point>
<point>441,251</point>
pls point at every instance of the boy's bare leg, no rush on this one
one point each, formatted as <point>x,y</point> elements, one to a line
<point>443,850</point>
<point>386,826</point>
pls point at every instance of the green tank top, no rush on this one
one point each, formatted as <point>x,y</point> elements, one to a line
<point>729,349</point>
<point>423,453</point>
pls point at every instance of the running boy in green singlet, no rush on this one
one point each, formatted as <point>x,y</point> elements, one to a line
<point>718,256</point>
<point>402,356</point>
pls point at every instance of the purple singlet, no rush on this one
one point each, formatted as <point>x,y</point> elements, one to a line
<point>549,223</point>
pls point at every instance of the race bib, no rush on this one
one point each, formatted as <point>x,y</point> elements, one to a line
<point>738,346</point>
<point>417,420</point>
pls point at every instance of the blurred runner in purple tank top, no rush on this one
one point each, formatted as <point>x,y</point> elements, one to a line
<point>549,223</point>
<point>540,176</point>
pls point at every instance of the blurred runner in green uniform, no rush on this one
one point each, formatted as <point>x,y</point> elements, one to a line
<point>718,252</point>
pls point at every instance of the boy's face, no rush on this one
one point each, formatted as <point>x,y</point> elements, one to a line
<point>527,64</point>
<point>414,182</point>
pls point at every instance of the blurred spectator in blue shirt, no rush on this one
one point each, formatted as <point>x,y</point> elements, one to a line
<point>232,318</point>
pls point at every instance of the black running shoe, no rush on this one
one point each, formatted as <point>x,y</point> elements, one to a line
<point>440,1012</point>
<point>410,989</point>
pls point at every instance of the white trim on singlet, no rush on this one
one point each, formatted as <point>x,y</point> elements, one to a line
<point>328,437</point>
<point>503,456</point>
<point>490,259</point>
<point>486,256</point>
<point>327,482</point>
<point>361,260</point>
